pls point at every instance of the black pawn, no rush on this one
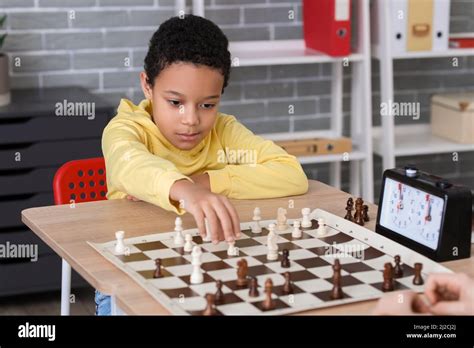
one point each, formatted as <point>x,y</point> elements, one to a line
<point>253,289</point>
<point>285,261</point>
<point>349,213</point>
<point>219,295</point>
<point>418,279</point>
<point>336,293</point>
<point>288,286</point>
<point>387,284</point>
<point>158,273</point>
<point>398,269</point>
<point>365,210</point>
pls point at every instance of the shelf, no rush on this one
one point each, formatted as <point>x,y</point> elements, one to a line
<point>337,157</point>
<point>417,139</point>
<point>278,52</point>
<point>451,52</point>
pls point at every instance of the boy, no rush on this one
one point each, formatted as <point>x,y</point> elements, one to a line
<point>175,149</point>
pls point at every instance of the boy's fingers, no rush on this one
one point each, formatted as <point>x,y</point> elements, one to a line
<point>448,308</point>
<point>225,221</point>
<point>437,281</point>
<point>234,216</point>
<point>419,304</point>
<point>199,217</point>
<point>213,222</point>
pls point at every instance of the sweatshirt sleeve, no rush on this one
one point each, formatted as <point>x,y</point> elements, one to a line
<point>271,173</point>
<point>134,170</point>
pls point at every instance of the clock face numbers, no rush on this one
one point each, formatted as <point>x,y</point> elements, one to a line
<point>412,212</point>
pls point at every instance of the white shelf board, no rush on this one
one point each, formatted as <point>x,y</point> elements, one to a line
<point>417,139</point>
<point>326,133</point>
<point>278,52</point>
<point>450,52</point>
<point>337,157</point>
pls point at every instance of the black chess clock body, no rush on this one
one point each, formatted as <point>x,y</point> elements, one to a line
<point>425,213</point>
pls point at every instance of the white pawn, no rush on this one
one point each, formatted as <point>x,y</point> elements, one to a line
<point>296,229</point>
<point>120,246</point>
<point>207,238</point>
<point>178,227</point>
<point>306,222</point>
<point>232,250</point>
<point>322,228</point>
<point>281,219</point>
<point>196,276</point>
<point>188,245</point>
<point>256,228</point>
<point>272,245</point>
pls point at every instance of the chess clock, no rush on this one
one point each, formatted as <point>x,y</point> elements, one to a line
<point>425,213</point>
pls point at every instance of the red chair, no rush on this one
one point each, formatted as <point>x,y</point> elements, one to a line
<point>77,181</point>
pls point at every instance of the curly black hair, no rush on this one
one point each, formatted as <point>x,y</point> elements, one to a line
<point>190,39</point>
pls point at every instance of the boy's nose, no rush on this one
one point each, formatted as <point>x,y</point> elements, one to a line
<point>190,117</point>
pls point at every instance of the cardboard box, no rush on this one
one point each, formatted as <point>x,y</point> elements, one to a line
<point>452,116</point>
<point>316,146</point>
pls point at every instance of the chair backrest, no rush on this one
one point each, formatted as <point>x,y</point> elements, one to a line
<point>80,181</point>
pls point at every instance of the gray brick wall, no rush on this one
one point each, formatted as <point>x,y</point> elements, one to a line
<point>100,44</point>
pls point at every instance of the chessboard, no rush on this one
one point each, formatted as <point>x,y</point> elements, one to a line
<point>361,255</point>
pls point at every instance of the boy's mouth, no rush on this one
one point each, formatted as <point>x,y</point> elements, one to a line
<point>188,136</point>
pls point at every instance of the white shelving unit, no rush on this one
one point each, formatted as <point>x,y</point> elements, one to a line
<point>280,52</point>
<point>391,141</point>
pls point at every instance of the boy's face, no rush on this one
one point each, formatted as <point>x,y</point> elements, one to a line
<point>185,100</point>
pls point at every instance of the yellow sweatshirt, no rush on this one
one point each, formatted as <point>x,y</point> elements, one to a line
<point>141,162</point>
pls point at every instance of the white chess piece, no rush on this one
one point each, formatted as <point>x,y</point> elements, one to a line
<point>281,219</point>
<point>322,228</point>
<point>296,229</point>
<point>120,246</point>
<point>272,245</point>
<point>178,227</point>
<point>196,276</point>
<point>188,245</point>
<point>256,228</point>
<point>207,238</point>
<point>306,222</point>
<point>232,250</point>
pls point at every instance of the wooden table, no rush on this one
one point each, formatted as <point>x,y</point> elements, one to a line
<point>66,229</point>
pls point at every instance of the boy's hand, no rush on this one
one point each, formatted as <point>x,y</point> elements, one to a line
<point>202,203</point>
<point>450,294</point>
<point>405,302</point>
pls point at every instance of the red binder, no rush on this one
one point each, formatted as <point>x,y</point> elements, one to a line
<point>327,26</point>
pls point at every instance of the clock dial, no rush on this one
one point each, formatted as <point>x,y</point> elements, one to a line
<point>412,213</point>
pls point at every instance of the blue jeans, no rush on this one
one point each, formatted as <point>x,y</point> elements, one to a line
<point>103,305</point>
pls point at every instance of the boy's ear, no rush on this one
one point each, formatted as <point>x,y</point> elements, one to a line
<point>146,88</point>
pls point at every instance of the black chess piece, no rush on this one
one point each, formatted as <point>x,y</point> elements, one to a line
<point>336,293</point>
<point>358,216</point>
<point>285,261</point>
<point>253,288</point>
<point>398,269</point>
<point>268,302</point>
<point>219,295</point>
<point>288,286</point>
<point>365,212</point>
<point>158,273</point>
<point>210,307</point>
<point>349,213</point>
<point>418,279</point>
<point>387,284</point>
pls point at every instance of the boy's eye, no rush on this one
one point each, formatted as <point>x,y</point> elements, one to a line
<point>174,102</point>
<point>208,106</point>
